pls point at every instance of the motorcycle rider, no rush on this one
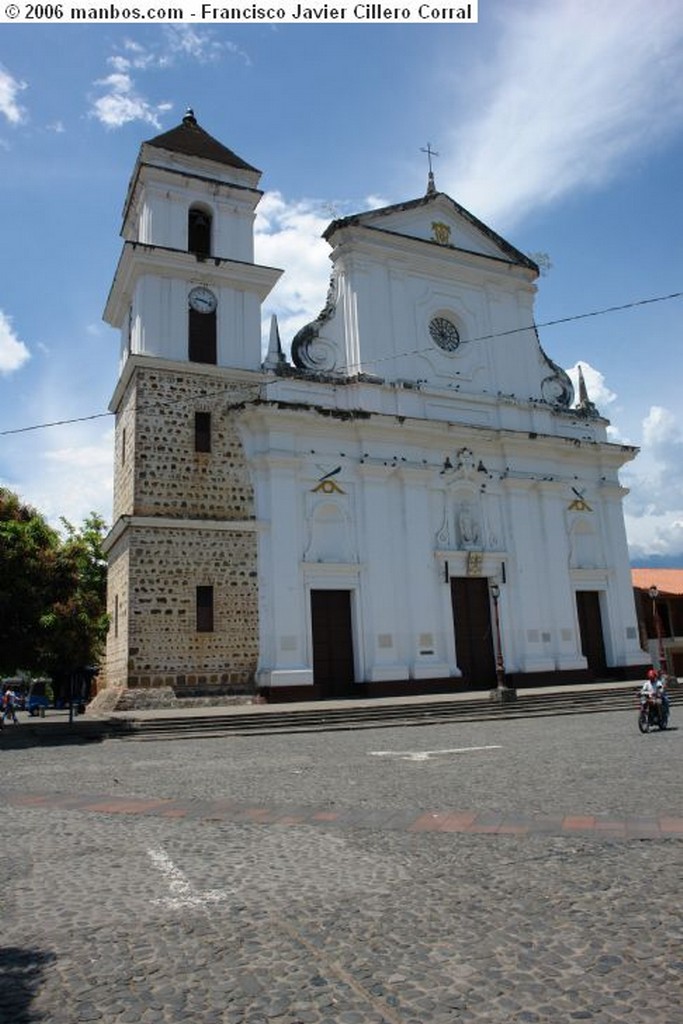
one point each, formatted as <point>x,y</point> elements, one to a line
<point>655,686</point>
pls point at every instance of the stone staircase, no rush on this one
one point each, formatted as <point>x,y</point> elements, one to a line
<point>259,720</point>
<point>380,714</point>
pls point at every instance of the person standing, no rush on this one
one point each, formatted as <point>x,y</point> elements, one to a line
<point>9,702</point>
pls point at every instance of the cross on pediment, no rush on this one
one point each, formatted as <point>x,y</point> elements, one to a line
<point>431,187</point>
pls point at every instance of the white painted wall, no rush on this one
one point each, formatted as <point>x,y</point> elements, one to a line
<point>390,549</point>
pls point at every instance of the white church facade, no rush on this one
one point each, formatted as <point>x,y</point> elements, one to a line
<point>411,502</point>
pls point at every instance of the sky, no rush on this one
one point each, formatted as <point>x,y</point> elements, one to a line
<point>558,124</point>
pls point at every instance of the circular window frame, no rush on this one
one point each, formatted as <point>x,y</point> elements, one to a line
<point>444,322</point>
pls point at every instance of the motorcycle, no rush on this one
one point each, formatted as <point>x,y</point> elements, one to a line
<point>653,713</point>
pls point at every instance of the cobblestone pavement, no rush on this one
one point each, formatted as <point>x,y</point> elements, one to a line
<point>347,878</point>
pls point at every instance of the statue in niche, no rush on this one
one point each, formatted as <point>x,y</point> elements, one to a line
<point>468,528</point>
<point>464,462</point>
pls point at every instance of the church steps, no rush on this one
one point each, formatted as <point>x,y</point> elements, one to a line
<point>380,716</point>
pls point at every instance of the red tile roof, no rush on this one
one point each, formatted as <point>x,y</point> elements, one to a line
<point>668,581</point>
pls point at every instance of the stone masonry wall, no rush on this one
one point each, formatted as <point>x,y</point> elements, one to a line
<point>155,570</point>
<point>165,649</point>
<point>171,479</point>
<point>116,665</point>
<point>124,455</point>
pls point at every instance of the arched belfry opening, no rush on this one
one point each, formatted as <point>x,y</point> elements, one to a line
<point>199,224</point>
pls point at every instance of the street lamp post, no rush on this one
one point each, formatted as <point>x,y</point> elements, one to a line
<point>654,594</point>
<point>502,692</point>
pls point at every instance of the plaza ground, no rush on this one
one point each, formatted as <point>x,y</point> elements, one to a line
<point>503,871</point>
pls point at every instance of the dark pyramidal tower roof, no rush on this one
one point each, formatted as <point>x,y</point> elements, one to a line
<point>191,140</point>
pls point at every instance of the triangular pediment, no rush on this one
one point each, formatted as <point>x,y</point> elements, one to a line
<point>439,220</point>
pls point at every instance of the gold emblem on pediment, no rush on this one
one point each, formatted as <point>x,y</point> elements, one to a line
<point>327,485</point>
<point>441,232</point>
<point>579,504</point>
<point>475,561</point>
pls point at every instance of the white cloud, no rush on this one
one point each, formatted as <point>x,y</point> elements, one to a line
<point>122,104</point>
<point>136,56</point>
<point>13,352</point>
<point>287,235</point>
<point>597,389</point>
<point>654,508</point>
<point>574,88</point>
<point>660,429</point>
<point>71,480</point>
<point>80,457</point>
<point>198,45</point>
<point>10,88</point>
<point>175,44</point>
<point>123,101</point>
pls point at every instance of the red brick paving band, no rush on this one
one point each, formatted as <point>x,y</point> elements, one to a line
<point>471,822</point>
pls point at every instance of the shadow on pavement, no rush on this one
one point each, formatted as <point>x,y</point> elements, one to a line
<point>21,974</point>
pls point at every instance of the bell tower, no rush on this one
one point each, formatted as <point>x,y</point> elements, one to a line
<point>186,287</point>
<point>186,298</point>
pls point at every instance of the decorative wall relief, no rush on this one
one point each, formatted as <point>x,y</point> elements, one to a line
<point>469,530</point>
<point>474,563</point>
<point>330,534</point>
<point>579,504</point>
<point>461,527</point>
<point>443,534</point>
<point>493,525</point>
<point>584,546</point>
<point>465,465</point>
<point>309,350</point>
<point>557,389</point>
<point>327,484</point>
<point>441,232</point>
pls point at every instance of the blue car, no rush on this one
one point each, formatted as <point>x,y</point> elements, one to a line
<point>32,695</point>
<point>37,698</point>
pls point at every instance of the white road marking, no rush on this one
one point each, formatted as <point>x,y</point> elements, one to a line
<point>424,755</point>
<point>182,893</point>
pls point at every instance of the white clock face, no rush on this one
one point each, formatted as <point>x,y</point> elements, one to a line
<point>202,300</point>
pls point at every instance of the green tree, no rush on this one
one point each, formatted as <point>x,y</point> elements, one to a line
<point>52,591</point>
<point>74,629</point>
<point>31,580</point>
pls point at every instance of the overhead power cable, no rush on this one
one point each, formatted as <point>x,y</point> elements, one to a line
<point>483,337</point>
<point>55,423</point>
<point>584,316</point>
<point>533,326</point>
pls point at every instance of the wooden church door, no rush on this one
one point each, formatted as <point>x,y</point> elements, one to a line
<point>333,672</point>
<point>474,649</point>
<point>590,629</point>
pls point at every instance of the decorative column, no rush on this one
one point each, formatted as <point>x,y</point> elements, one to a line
<point>385,658</point>
<point>283,613</point>
<point>421,581</point>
